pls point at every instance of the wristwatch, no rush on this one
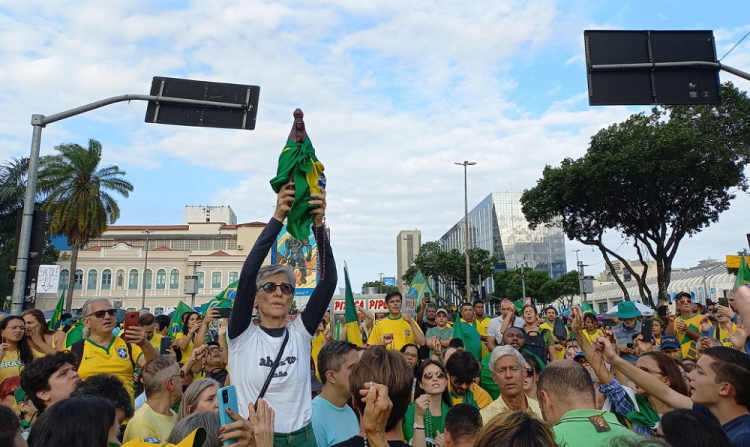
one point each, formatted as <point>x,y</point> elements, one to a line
<point>418,427</point>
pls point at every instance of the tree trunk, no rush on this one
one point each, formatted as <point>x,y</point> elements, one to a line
<point>72,279</point>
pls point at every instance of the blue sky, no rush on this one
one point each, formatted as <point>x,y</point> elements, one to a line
<point>393,92</point>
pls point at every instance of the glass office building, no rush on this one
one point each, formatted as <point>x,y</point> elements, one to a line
<point>498,225</point>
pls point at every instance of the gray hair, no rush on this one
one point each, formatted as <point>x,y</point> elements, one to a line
<point>155,374</point>
<point>191,394</point>
<point>86,310</point>
<point>501,351</point>
<point>206,419</point>
<point>268,270</point>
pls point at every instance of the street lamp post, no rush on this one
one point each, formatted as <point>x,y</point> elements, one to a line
<point>145,269</point>
<point>466,227</point>
<point>578,268</point>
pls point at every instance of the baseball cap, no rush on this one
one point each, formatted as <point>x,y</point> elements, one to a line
<point>669,341</point>
<point>580,356</point>
<point>443,311</point>
<point>194,439</point>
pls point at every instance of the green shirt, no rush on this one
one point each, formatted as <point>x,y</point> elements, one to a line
<point>442,334</point>
<point>576,429</point>
<point>472,339</point>
<point>433,427</point>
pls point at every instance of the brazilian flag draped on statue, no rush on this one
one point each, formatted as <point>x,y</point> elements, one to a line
<point>298,162</point>
<point>350,313</point>
<point>743,274</point>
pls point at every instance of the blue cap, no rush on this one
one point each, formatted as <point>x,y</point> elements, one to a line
<point>669,341</point>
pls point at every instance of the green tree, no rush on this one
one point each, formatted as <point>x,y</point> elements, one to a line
<point>383,287</point>
<point>653,179</point>
<point>449,268</point>
<point>80,204</point>
<point>539,286</point>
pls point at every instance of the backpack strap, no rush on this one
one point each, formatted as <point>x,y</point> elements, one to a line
<point>77,349</point>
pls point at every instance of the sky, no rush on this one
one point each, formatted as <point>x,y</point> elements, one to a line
<point>393,93</point>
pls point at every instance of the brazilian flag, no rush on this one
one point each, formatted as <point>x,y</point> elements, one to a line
<point>350,313</point>
<point>223,300</point>
<point>175,325</point>
<point>743,274</point>
<point>299,163</point>
<point>56,321</point>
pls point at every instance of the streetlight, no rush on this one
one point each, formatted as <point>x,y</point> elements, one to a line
<point>145,269</point>
<point>578,268</point>
<point>466,227</point>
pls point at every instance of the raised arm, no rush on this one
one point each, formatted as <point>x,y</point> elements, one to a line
<point>242,312</point>
<point>327,275</point>
<point>596,361</point>
<point>650,384</point>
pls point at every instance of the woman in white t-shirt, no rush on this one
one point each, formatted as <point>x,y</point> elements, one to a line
<point>253,349</point>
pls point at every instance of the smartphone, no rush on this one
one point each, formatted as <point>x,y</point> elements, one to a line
<point>224,312</point>
<point>672,308</point>
<point>166,343</point>
<point>647,330</point>
<point>131,320</point>
<point>724,302</point>
<point>227,399</point>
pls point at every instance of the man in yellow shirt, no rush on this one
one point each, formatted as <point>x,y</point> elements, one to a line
<point>686,326</point>
<point>102,352</point>
<point>463,369</point>
<point>557,328</point>
<point>508,368</point>
<point>162,378</point>
<point>395,330</point>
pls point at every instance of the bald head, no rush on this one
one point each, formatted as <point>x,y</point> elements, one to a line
<point>568,382</point>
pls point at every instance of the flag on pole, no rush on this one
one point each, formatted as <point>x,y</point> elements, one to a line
<point>175,325</point>
<point>743,274</point>
<point>350,313</point>
<point>56,321</point>
<point>587,308</point>
<point>223,300</point>
<point>419,287</point>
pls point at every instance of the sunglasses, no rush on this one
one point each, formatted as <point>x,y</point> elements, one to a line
<point>685,301</point>
<point>100,313</point>
<point>429,375</point>
<point>270,287</point>
<point>529,372</point>
<point>688,367</point>
<point>215,349</point>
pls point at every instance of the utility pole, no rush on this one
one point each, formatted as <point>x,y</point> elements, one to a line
<point>580,275</point>
<point>380,283</point>
<point>195,265</point>
<point>523,281</point>
<point>580,278</point>
<point>466,226</point>
<point>145,269</point>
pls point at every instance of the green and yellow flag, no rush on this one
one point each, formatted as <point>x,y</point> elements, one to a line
<point>350,313</point>
<point>56,321</point>
<point>223,300</point>
<point>175,325</point>
<point>743,274</point>
<point>419,287</point>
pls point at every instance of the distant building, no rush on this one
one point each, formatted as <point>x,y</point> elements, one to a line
<point>498,225</point>
<point>112,265</point>
<point>407,248</point>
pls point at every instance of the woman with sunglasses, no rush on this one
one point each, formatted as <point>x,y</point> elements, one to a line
<point>531,376</point>
<point>425,417</point>
<point>15,351</point>
<point>253,350</point>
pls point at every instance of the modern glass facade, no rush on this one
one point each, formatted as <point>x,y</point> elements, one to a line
<point>498,225</point>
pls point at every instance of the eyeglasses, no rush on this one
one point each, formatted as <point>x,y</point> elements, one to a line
<point>181,374</point>
<point>688,366</point>
<point>685,301</point>
<point>270,287</point>
<point>684,375</point>
<point>714,310</point>
<point>429,375</point>
<point>650,371</point>
<point>100,313</point>
<point>16,328</point>
<point>529,372</point>
<point>215,349</point>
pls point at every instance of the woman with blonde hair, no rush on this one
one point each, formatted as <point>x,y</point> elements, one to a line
<point>515,429</point>
<point>201,395</point>
<point>41,338</point>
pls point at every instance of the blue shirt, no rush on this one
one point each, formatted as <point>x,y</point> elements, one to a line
<point>332,424</point>
<point>625,336</point>
<point>737,430</point>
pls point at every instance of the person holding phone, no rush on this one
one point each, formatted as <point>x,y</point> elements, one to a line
<point>686,326</point>
<point>253,350</point>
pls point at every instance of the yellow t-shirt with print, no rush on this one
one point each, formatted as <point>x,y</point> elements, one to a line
<point>403,333</point>
<point>11,364</point>
<point>156,341</point>
<point>687,344</point>
<point>113,359</point>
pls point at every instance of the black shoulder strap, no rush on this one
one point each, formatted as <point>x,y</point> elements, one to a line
<point>130,355</point>
<point>77,349</point>
<point>273,368</point>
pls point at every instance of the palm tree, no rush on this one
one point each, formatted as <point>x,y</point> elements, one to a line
<point>79,201</point>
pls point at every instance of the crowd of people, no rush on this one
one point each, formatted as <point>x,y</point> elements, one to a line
<point>516,378</point>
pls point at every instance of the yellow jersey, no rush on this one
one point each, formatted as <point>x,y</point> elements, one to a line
<point>11,364</point>
<point>591,337</point>
<point>687,344</point>
<point>479,397</point>
<point>185,352</point>
<point>156,341</point>
<point>114,359</point>
<point>403,333</point>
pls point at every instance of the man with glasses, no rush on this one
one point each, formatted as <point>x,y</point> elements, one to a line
<point>101,351</point>
<point>214,367</point>
<point>686,326</point>
<point>396,330</point>
<point>508,369</point>
<point>162,378</point>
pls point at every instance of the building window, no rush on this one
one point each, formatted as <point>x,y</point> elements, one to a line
<point>216,280</point>
<point>133,280</point>
<point>201,280</point>
<point>64,279</point>
<point>158,310</point>
<point>233,276</point>
<point>106,279</point>
<point>161,279</point>
<point>174,279</point>
<point>79,279</point>
<point>91,281</point>
<point>149,278</point>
